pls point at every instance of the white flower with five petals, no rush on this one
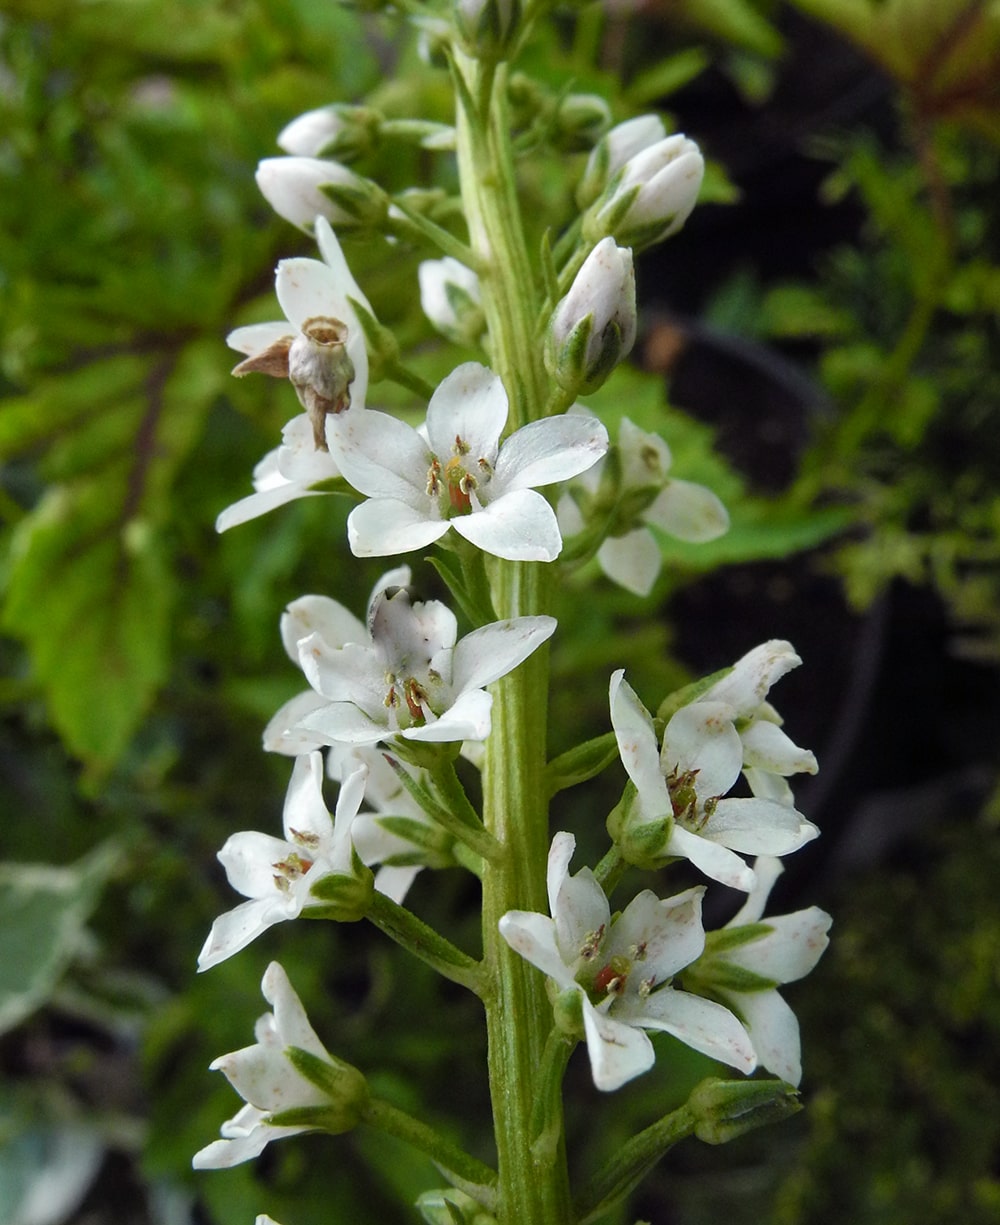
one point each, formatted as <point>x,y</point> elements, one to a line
<point>458,475</point>
<point>411,676</point>
<point>278,874</point>
<point>314,295</point>
<point>747,960</point>
<point>621,970</point>
<point>703,752</point>
<point>266,1078</point>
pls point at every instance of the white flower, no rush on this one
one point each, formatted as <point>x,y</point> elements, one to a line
<point>701,758</point>
<point>747,960</point>
<point>613,150</point>
<point>277,874</point>
<point>385,797</point>
<point>621,970</point>
<point>460,476</point>
<point>593,327</point>
<point>270,1083</point>
<point>335,131</point>
<point>451,299</point>
<point>651,196</point>
<point>314,296</point>
<point>411,677</point>
<point>644,495</point>
<point>293,186</point>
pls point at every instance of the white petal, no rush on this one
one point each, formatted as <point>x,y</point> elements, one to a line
<point>256,504</point>
<point>701,737</point>
<point>470,404</point>
<point>318,614</point>
<point>290,1017</point>
<point>305,809</point>
<point>767,869</point>
<point>714,860</point>
<point>767,786</point>
<point>549,450</point>
<point>774,1031</point>
<point>345,723</point>
<point>248,858</point>
<point>688,512</point>
<point>766,747</point>
<point>618,1052</point>
<point>701,1024</point>
<point>758,827</point>
<point>351,673</point>
<point>638,748</point>
<point>557,866</point>
<point>669,932</point>
<point>352,792</point>
<point>381,456</point>
<point>746,686</point>
<point>517,526</point>
<point>308,289</point>
<point>284,734</point>
<point>394,882</point>
<point>238,927</point>
<point>581,911</point>
<point>256,337</point>
<point>468,718</point>
<point>385,526</point>
<point>632,561</point>
<point>333,256</point>
<point>498,648</point>
<point>223,1154</point>
<point>533,936</point>
<point>298,459</point>
<point>790,950</point>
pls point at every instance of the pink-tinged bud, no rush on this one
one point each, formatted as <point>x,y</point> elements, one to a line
<point>613,150</point>
<point>651,196</point>
<point>300,189</point>
<point>593,328</point>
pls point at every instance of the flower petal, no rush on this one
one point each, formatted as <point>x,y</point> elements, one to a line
<point>549,450</point>
<point>668,932</point>
<point>518,526</point>
<point>257,337</point>
<point>637,745</point>
<point>618,1052</point>
<point>381,456</point>
<point>240,926</point>
<point>498,648</point>
<point>290,1018</point>
<point>688,512</point>
<point>790,949</point>
<point>385,526</point>
<point>632,561</point>
<point>701,1024</point>
<point>774,1031</point>
<point>305,809</point>
<point>470,404</point>
<point>533,937</point>
<point>767,747</point>
<point>758,827</point>
<point>701,738</point>
<point>284,733</point>
<point>318,614</point>
<point>468,718</point>
<point>333,256</point>
<point>746,686</point>
<point>714,860</point>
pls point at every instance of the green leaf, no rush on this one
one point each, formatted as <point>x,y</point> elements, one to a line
<point>43,910</point>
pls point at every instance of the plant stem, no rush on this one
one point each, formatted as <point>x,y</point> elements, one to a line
<point>424,942</point>
<point>533,1189</point>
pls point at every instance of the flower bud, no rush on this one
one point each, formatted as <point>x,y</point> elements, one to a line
<point>581,119</point>
<point>300,189</point>
<point>613,150</point>
<point>594,326</point>
<point>650,197</point>
<point>451,299</point>
<point>450,1206</point>
<point>337,131</point>
<point>487,27</point>
<point>725,1109</point>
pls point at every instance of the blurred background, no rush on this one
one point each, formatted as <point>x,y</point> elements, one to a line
<point>820,345</point>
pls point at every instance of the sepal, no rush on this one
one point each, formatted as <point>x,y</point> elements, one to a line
<point>449,1206</point>
<point>726,1109</point>
<point>345,1086</point>
<point>345,897</point>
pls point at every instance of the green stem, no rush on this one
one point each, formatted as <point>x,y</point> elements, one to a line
<point>425,943</point>
<point>476,1178</point>
<point>533,1189</point>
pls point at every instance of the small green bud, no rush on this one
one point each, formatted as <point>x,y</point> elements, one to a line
<point>450,1206</point>
<point>725,1109</point>
<point>567,1012</point>
<point>342,132</point>
<point>487,28</point>
<point>581,120</point>
<point>644,843</point>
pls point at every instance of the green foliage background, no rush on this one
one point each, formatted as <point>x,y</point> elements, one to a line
<point>140,654</point>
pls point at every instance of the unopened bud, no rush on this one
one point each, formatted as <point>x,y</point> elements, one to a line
<point>487,27</point>
<point>725,1109</point>
<point>593,328</point>
<point>581,120</point>
<point>451,299</point>
<point>650,197</point>
<point>338,131</point>
<point>450,1206</point>
<point>300,189</point>
<point>613,150</point>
